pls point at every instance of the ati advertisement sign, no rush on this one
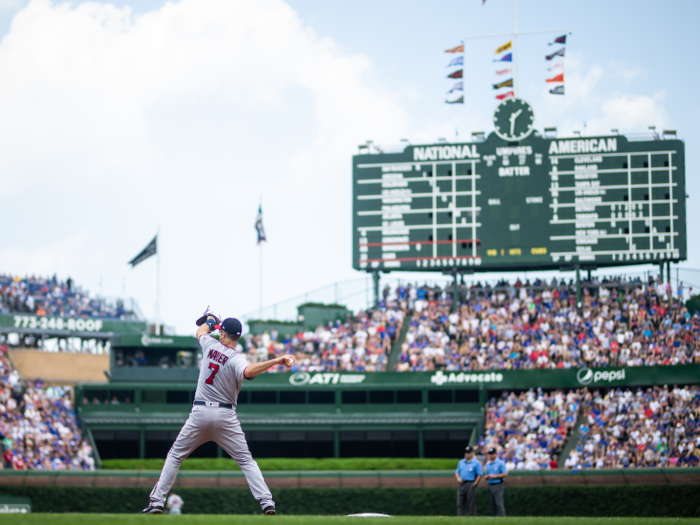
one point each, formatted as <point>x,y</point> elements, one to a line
<point>305,378</point>
<point>490,380</point>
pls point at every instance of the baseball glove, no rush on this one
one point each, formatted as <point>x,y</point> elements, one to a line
<point>205,316</point>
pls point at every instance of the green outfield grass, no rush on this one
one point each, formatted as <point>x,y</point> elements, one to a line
<point>121,519</point>
<point>280,464</point>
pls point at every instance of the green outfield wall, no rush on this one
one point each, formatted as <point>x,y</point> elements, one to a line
<point>420,415</point>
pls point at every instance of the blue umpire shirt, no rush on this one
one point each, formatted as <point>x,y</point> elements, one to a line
<point>469,470</point>
<point>497,466</point>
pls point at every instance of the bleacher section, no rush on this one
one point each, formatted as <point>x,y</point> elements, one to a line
<point>38,426</point>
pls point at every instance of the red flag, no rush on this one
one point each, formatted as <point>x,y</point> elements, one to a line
<point>558,78</point>
<point>505,95</point>
<point>456,74</point>
<point>458,49</point>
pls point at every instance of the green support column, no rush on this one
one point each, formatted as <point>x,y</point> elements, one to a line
<point>375,283</point>
<point>668,272</point>
<point>421,446</point>
<point>336,444</point>
<point>219,452</point>
<point>578,287</point>
<point>661,271</point>
<point>142,444</point>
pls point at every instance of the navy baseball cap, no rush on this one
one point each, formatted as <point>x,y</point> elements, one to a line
<point>468,450</point>
<point>491,451</point>
<point>232,326</point>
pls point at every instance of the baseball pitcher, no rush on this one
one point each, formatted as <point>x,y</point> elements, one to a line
<point>213,416</point>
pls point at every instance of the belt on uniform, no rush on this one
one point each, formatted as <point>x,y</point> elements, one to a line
<point>212,404</point>
<point>495,482</point>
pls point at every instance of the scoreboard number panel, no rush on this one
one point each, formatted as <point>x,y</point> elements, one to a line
<point>525,203</point>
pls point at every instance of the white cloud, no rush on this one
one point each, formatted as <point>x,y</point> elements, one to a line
<point>113,123</point>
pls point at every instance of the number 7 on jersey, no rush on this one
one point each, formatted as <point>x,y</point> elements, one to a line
<point>214,368</point>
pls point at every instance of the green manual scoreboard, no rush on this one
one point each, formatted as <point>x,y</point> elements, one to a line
<point>519,201</point>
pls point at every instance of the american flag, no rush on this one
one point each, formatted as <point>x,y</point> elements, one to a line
<point>259,226</point>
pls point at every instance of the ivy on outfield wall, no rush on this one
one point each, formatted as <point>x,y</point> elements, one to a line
<point>631,500</point>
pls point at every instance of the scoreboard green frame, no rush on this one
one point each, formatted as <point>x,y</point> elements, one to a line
<point>539,203</point>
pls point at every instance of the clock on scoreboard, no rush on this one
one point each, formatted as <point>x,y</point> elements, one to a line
<point>518,200</point>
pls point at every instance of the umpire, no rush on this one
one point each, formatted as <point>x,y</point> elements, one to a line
<point>468,474</point>
<point>496,473</point>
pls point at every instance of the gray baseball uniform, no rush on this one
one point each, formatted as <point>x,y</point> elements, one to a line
<point>220,380</point>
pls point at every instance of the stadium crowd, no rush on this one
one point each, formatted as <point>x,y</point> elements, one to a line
<point>52,297</point>
<point>525,326</point>
<point>621,428</point>
<point>361,344</point>
<point>530,428</point>
<point>653,427</point>
<point>38,427</point>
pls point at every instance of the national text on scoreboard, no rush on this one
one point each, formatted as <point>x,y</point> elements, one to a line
<point>539,203</point>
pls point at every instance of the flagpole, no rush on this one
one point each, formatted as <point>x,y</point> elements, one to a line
<point>158,282</point>
<point>260,272</point>
<point>515,45</point>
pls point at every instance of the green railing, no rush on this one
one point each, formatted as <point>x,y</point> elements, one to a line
<point>346,479</point>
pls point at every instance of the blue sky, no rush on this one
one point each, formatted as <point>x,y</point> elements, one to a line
<point>119,118</point>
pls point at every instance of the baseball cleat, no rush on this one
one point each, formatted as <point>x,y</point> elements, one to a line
<point>269,511</point>
<point>152,509</point>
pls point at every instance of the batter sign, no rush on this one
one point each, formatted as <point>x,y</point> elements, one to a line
<point>213,416</point>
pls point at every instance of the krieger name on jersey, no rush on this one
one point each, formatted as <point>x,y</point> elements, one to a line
<point>217,356</point>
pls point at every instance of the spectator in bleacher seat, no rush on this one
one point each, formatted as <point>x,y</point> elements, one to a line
<point>38,427</point>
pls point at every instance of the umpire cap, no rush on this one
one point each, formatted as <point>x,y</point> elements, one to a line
<point>491,451</point>
<point>468,450</point>
<point>232,326</point>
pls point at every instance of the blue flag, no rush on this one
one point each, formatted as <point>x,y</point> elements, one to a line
<point>259,226</point>
<point>505,58</point>
<point>459,61</point>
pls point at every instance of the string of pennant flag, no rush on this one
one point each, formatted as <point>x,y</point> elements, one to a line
<point>506,55</point>
<point>458,87</point>
<point>504,86</point>
<point>557,66</point>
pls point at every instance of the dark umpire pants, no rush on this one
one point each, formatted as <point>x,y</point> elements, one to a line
<point>466,498</point>
<point>496,499</point>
